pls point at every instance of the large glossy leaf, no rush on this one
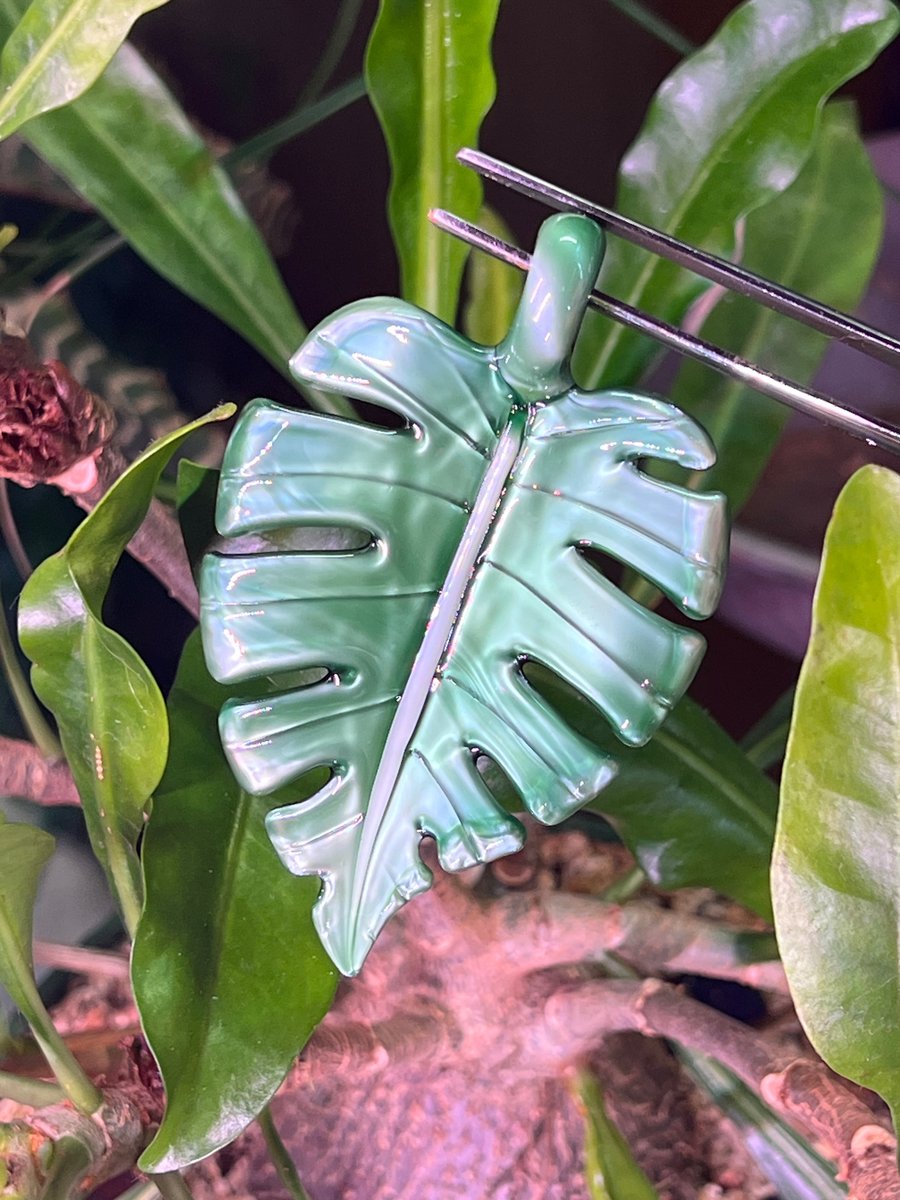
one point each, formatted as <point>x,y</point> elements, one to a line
<point>228,973</point>
<point>728,130</point>
<point>689,805</point>
<point>128,148</point>
<point>477,509</point>
<point>820,237</point>
<point>56,50</point>
<point>110,713</point>
<point>836,870</point>
<point>431,81</point>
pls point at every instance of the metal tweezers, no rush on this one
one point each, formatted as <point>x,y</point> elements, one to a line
<point>830,321</point>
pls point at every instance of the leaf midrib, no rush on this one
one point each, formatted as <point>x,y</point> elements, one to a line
<point>219,904</point>
<point>439,633</point>
<point>706,771</point>
<point>431,141</point>
<point>653,264</point>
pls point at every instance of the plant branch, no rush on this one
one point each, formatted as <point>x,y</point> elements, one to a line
<point>110,1140</point>
<point>26,772</point>
<point>81,960</point>
<point>578,1017</point>
<point>550,929</point>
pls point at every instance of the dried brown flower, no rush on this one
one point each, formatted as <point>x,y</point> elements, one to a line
<point>48,421</point>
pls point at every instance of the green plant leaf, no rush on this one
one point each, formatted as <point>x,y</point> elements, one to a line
<point>476,509</point>
<point>110,713</point>
<point>24,852</point>
<point>610,1170</point>
<point>820,237</point>
<point>689,805</point>
<point>836,869</point>
<point>494,288</point>
<point>431,82</point>
<point>228,973</point>
<point>128,148</point>
<point>56,51</point>
<point>729,129</point>
<point>787,1159</point>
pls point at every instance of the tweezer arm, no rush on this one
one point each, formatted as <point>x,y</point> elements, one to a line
<point>874,342</point>
<point>814,404</point>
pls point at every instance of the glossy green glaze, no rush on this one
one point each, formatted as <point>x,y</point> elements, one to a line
<point>477,509</point>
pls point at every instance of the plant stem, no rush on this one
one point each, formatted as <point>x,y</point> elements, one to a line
<point>142,1191</point>
<point>654,24</point>
<point>29,710</point>
<point>625,887</point>
<point>10,533</point>
<point>333,52</point>
<point>34,1092</point>
<point>63,279</point>
<point>171,1186</point>
<point>267,140</point>
<point>71,1078</point>
<point>279,1155</point>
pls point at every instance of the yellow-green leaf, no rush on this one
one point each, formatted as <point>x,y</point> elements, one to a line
<point>836,869</point>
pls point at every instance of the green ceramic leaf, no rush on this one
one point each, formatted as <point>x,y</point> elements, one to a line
<point>57,50</point>
<point>431,82</point>
<point>820,237</point>
<point>836,870</point>
<point>493,288</point>
<point>110,713</point>
<point>689,805</point>
<point>477,510</point>
<point>728,130</point>
<point>128,148</point>
<point>228,973</point>
<point>609,1167</point>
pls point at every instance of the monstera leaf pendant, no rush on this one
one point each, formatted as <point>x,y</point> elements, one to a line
<point>477,512</point>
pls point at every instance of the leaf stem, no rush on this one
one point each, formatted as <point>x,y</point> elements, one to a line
<point>279,1155</point>
<point>303,118</point>
<point>33,719</point>
<point>69,1074</point>
<point>35,1092</point>
<point>142,1191</point>
<point>654,24</point>
<point>171,1186</point>
<point>333,51</point>
<point>9,530</point>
